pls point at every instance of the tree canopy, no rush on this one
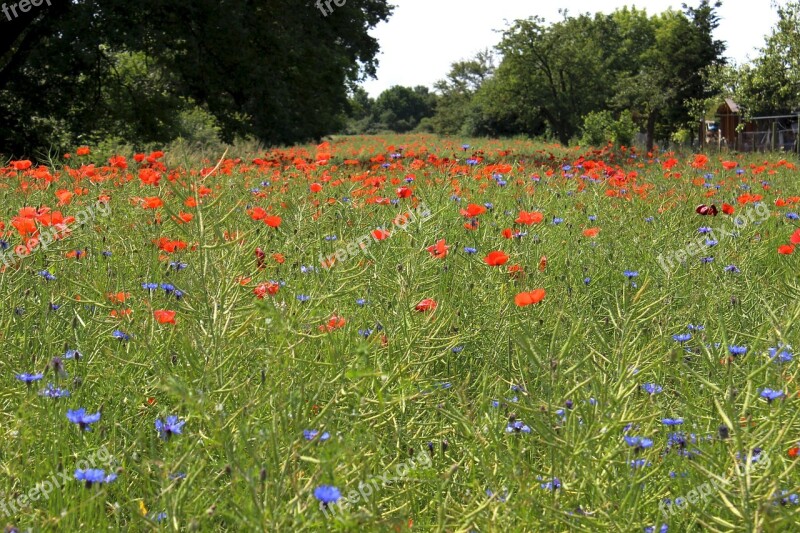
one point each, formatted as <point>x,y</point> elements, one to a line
<point>277,70</point>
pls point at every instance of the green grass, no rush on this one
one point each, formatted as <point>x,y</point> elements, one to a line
<point>249,375</point>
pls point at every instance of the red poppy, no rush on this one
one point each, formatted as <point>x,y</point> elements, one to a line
<point>152,202</point>
<point>591,232</point>
<point>428,304</point>
<point>263,289</point>
<point>528,218</point>
<point>727,209</point>
<point>785,249</point>
<point>404,192</point>
<point>380,234</point>
<point>316,187</point>
<point>21,165</point>
<point>473,210</point>
<point>164,317</point>
<point>279,258</point>
<point>795,238</point>
<point>542,263</point>
<point>496,258</point>
<point>184,217</point>
<point>272,221</point>
<point>438,250</point>
<point>729,165</point>
<point>507,233</point>
<point>334,323</point>
<point>794,452</point>
<point>529,298</point>
<point>83,150</point>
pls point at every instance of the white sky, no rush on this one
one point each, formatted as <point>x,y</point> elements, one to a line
<point>424,37</point>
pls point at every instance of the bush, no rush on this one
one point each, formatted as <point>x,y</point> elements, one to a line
<point>600,127</point>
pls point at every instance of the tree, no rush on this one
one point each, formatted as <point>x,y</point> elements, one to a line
<point>401,109</point>
<point>274,69</point>
<point>556,74</point>
<point>457,91</point>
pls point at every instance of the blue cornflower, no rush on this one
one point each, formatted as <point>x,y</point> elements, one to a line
<point>303,297</point>
<point>792,216</point>
<point>769,394</point>
<point>489,205</point>
<point>592,218</point>
<point>178,294</point>
<point>732,268</point>
<point>83,420</point>
<point>652,529</point>
<point>107,253</point>
<point>168,287</point>
<point>502,183</point>
<point>551,485</point>
<point>52,391</point>
<point>121,335</point>
<point>706,259</point>
<point>652,388</point>
<point>782,356</point>
<point>737,350</point>
<point>150,286</point>
<point>365,332</point>
<point>682,337</point>
<point>327,494</point>
<point>330,238</point>
<point>639,463</point>
<point>176,265</point>
<point>4,245</point>
<point>639,442</point>
<point>517,427</point>
<point>472,162</point>
<point>672,421</point>
<point>465,147</point>
<point>94,475</point>
<point>557,221</point>
<point>704,230</point>
<point>694,327</point>
<point>649,219</point>
<point>306,269</point>
<point>171,427</point>
<point>630,274</point>
<point>469,250</point>
<point>29,378</point>
<point>72,354</point>
<point>310,434</point>
<point>457,349</point>
<point>46,275</point>
<point>711,242</point>
<point>587,281</point>
<point>361,302</point>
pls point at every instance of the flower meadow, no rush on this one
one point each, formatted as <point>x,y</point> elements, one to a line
<point>400,334</point>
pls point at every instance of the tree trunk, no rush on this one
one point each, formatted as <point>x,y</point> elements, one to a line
<point>651,130</point>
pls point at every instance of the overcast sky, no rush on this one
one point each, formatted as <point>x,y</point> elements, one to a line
<point>424,37</point>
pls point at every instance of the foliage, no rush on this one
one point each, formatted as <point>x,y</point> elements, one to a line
<point>272,69</point>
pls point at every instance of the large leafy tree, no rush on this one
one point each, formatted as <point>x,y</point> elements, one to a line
<point>275,69</point>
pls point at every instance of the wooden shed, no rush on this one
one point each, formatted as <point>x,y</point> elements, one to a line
<point>728,119</point>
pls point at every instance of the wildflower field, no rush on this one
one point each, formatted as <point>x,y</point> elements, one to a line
<point>400,334</point>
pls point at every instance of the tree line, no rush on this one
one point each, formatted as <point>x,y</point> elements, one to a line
<point>279,71</point>
<point>598,78</point>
